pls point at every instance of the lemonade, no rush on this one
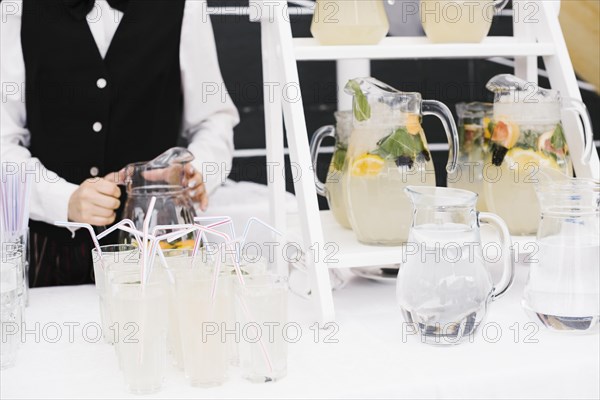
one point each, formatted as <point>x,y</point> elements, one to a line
<point>262,309</point>
<point>347,22</point>
<point>140,315</point>
<point>380,210</point>
<point>206,355</point>
<point>528,146</point>
<point>457,21</point>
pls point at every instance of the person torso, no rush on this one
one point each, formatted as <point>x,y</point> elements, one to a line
<point>90,115</point>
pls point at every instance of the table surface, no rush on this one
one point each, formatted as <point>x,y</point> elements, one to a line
<point>510,358</point>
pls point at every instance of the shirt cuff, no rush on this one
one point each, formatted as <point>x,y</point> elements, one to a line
<point>50,201</point>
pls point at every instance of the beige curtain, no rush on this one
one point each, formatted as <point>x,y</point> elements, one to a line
<point>580,21</point>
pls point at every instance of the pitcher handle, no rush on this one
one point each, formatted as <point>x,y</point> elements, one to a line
<point>508,273</point>
<point>315,144</point>
<point>579,108</point>
<point>440,110</point>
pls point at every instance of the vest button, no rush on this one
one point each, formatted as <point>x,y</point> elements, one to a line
<point>101,83</point>
<point>94,171</point>
<point>97,127</point>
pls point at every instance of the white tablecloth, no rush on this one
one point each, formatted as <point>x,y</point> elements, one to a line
<point>371,359</point>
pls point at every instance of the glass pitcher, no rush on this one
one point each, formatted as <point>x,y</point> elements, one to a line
<point>334,188</point>
<point>161,178</point>
<point>473,136</point>
<point>562,291</point>
<point>388,151</point>
<point>527,146</point>
<point>443,286</point>
<point>459,21</point>
<point>349,22</point>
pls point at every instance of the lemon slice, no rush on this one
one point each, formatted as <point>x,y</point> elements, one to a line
<point>523,159</point>
<point>367,165</point>
<point>486,128</point>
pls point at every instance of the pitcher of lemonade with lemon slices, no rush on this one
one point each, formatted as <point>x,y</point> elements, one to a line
<point>528,147</point>
<point>388,151</point>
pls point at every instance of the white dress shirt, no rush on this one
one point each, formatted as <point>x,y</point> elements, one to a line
<point>208,117</point>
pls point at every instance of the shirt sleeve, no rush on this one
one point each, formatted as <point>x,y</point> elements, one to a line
<point>209,113</point>
<point>50,194</point>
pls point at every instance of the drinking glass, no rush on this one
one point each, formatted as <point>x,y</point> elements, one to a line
<point>177,260</point>
<point>14,249</point>
<point>140,314</point>
<point>206,354</point>
<point>116,259</point>
<point>9,313</point>
<point>262,309</point>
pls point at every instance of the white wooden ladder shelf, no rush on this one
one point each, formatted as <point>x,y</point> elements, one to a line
<point>539,35</point>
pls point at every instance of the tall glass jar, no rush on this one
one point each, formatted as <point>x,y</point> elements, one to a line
<point>348,22</point>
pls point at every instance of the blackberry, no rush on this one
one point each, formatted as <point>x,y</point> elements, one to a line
<point>498,154</point>
<point>404,161</point>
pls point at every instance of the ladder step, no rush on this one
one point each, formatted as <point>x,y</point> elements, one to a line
<point>308,49</point>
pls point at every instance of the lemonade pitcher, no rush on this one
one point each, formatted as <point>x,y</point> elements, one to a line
<point>527,146</point>
<point>349,22</point>
<point>443,286</point>
<point>388,151</point>
<point>334,188</point>
<point>474,136</point>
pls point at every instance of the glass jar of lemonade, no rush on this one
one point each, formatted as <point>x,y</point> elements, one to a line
<point>388,151</point>
<point>527,147</point>
<point>334,188</point>
<point>458,21</point>
<point>349,22</point>
<point>474,136</point>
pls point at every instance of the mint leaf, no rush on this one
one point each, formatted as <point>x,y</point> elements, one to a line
<point>339,157</point>
<point>558,140</point>
<point>362,109</point>
<point>401,144</point>
<point>528,140</point>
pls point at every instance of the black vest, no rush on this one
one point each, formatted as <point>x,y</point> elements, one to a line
<point>87,114</point>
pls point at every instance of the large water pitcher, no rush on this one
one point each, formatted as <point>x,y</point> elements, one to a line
<point>444,288</point>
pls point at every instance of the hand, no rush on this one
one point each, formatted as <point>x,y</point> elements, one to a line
<point>195,187</point>
<point>95,201</point>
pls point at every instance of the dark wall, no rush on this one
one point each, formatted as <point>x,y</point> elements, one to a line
<point>450,81</point>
